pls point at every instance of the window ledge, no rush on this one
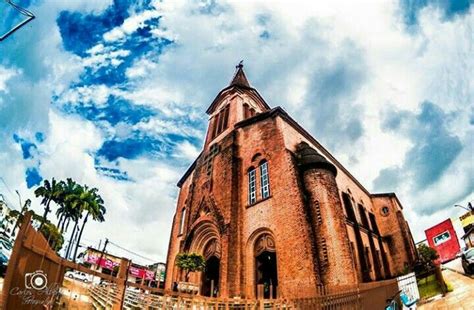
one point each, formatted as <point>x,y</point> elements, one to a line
<point>258,202</point>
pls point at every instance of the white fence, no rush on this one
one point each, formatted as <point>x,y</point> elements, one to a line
<point>408,285</point>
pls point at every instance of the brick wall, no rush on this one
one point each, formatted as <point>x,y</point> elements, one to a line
<point>304,214</point>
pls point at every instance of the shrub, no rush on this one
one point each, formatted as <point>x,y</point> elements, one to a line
<point>190,262</point>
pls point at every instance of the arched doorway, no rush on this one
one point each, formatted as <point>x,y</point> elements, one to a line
<point>210,277</point>
<point>266,273</point>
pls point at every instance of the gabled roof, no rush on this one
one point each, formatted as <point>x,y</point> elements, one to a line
<point>282,113</point>
<point>278,111</point>
<point>390,195</point>
<point>470,231</point>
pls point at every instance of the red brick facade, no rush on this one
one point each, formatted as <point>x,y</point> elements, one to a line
<point>314,222</point>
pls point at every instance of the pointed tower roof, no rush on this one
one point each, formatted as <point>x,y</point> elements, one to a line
<point>239,84</point>
<point>239,78</point>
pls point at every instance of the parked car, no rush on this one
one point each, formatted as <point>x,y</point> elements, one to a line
<point>77,275</point>
<point>467,260</point>
<point>3,264</point>
<point>6,246</point>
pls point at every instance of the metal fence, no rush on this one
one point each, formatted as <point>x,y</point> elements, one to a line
<point>32,256</point>
<point>409,286</point>
<point>364,296</point>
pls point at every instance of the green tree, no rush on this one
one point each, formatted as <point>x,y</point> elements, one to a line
<point>73,210</point>
<point>68,204</point>
<point>49,191</point>
<point>53,235</point>
<point>427,256</point>
<point>49,230</point>
<point>190,262</point>
<point>93,204</point>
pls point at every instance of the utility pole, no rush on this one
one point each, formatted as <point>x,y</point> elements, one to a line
<point>102,253</point>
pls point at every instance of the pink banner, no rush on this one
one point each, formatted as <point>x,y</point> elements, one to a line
<point>110,264</point>
<point>141,273</point>
<point>105,262</point>
<point>134,271</point>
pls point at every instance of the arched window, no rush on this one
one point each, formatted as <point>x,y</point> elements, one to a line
<point>346,200</point>
<point>246,111</point>
<point>181,223</point>
<point>264,180</point>
<point>220,122</point>
<point>252,196</point>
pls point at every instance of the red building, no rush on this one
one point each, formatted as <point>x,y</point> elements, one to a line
<point>274,213</point>
<point>443,238</point>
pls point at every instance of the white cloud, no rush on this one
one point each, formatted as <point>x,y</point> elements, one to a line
<point>187,151</point>
<point>5,75</point>
<point>402,70</point>
<point>103,57</point>
<point>140,69</point>
<point>130,25</point>
<point>398,70</point>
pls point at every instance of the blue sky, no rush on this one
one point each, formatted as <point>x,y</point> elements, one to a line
<point>113,94</point>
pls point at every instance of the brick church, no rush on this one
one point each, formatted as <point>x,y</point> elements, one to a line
<point>268,206</point>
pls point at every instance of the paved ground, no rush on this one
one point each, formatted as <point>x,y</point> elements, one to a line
<point>456,265</point>
<point>462,297</point>
<point>75,295</point>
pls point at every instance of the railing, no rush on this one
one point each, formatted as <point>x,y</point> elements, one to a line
<point>104,297</point>
<point>409,286</point>
<point>364,296</point>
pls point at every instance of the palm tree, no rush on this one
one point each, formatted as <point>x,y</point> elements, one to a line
<point>72,210</point>
<point>67,202</point>
<point>93,204</point>
<point>50,191</point>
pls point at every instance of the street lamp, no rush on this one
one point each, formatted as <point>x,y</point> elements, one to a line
<point>19,197</point>
<point>469,208</point>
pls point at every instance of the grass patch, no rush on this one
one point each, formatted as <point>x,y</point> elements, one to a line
<point>428,287</point>
<point>449,286</point>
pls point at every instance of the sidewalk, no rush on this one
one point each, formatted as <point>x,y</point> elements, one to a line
<point>462,297</point>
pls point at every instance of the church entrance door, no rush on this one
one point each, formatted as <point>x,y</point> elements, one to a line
<point>210,277</point>
<point>267,278</point>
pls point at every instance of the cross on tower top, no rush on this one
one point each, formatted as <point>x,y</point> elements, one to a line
<point>239,78</point>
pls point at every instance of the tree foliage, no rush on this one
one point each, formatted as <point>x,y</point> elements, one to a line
<point>49,191</point>
<point>190,262</point>
<point>427,256</point>
<point>93,204</point>
<point>72,200</point>
<point>52,235</point>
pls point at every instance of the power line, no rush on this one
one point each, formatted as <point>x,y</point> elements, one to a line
<point>10,204</point>
<point>136,254</point>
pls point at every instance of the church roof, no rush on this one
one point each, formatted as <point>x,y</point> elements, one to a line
<point>239,78</point>
<point>278,111</point>
<point>310,158</point>
<point>240,83</point>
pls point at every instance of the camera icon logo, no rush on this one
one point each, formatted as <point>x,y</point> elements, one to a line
<point>36,280</point>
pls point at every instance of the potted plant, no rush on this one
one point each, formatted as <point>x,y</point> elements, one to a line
<point>189,262</point>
